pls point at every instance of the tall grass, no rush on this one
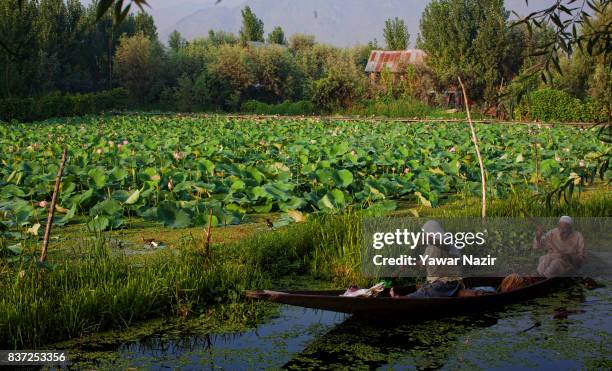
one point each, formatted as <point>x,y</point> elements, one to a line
<point>94,288</point>
<point>103,291</point>
<point>403,108</point>
<point>594,203</point>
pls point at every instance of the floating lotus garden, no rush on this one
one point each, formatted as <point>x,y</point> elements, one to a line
<point>175,169</point>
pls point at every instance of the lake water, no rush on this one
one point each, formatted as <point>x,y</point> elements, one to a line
<point>568,329</point>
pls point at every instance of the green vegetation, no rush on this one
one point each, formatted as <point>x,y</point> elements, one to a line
<point>138,190</point>
<point>252,27</point>
<point>277,36</point>
<point>549,105</point>
<point>303,107</point>
<point>223,72</point>
<point>174,170</point>
<point>61,105</point>
<point>396,34</point>
<point>94,287</point>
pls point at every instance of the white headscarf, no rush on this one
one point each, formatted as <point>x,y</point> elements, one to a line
<point>566,219</point>
<point>433,226</point>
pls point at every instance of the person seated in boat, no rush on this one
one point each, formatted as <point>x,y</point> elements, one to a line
<point>442,280</point>
<point>566,252</point>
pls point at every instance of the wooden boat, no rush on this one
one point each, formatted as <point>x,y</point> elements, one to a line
<point>384,305</point>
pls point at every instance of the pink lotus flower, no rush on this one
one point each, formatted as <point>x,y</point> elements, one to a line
<point>119,145</point>
<point>43,204</point>
<point>557,158</point>
<point>353,153</point>
<point>110,143</point>
<point>406,170</point>
<point>452,150</point>
<point>126,142</point>
<point>178,155</point>
<point>156,177</point>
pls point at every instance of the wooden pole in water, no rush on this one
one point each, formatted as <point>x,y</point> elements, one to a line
<point>475,141</point>
<point>58,178</point>
<point>208,235</point>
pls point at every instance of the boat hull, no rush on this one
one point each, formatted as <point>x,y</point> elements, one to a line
<point>406,306</point>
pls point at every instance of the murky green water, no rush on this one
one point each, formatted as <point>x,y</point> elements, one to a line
<point>569,329</point>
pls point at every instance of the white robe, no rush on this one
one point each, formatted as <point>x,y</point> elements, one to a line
<point>564,255</point>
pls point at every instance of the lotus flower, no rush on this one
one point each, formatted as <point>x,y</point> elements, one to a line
<point>406,170</point>
<point>178,155</point>
<point>99,151</point>
<point>581,163</point>
<point>111,143</point>
<point>452,150</point>
<point>126,142</point>
<point>43,204</point>
<point>557,158</point>
<point>119,145</point>
<point>156,177</point>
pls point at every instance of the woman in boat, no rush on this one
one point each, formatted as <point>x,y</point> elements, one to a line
<point>565,247</point>
<point>442,280</point>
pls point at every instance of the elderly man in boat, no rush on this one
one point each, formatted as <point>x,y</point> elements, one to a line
<point>565,247</point>
<point>442,280</point>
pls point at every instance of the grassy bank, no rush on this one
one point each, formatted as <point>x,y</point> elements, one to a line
<point>95,287</point>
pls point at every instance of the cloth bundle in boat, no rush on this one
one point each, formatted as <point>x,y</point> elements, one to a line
<point>512,282</point>
<point>373,291</point>
<point>437,289</point>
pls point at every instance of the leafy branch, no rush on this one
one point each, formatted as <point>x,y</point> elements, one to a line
<point>571,22</point>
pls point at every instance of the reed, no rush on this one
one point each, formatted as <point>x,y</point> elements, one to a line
<point>92,288</point>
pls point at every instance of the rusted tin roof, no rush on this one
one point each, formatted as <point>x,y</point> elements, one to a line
<point>394,61</point>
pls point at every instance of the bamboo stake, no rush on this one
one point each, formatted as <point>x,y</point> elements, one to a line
<point>208,235</point>
<point>537,158</point>
<point>475,141</point>
<point>58,178</point>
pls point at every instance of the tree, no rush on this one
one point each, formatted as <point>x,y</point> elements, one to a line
<point>221,37</point>
<point>470,39</point>
<point>137,65</point>
<point>233,65</point>
<point>396,34</point>
<point>300,42</point>
<point>252,27</point>
<point>145,24</point>
<point>176,42</point>
<point>277,36</point>
<point>566,18</point>
<point>277,75</point>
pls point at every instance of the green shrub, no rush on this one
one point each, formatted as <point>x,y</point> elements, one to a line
<point>336,91</point>
<point>407,107</point>
<point>555,105</point>
<point>302,107</point>
<point>60,105</point>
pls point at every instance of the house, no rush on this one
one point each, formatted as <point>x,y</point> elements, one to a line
<point>394,61</point>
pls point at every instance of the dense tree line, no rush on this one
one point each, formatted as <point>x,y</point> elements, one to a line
<point>51,46</point>
<point>54,45</point>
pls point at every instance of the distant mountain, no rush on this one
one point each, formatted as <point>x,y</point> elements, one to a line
<point>336,22</point>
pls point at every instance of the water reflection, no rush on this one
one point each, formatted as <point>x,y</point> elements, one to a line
<point>361,344</point>
<point>570,327</point>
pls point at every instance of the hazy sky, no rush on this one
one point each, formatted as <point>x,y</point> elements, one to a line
<point>336,21</point>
